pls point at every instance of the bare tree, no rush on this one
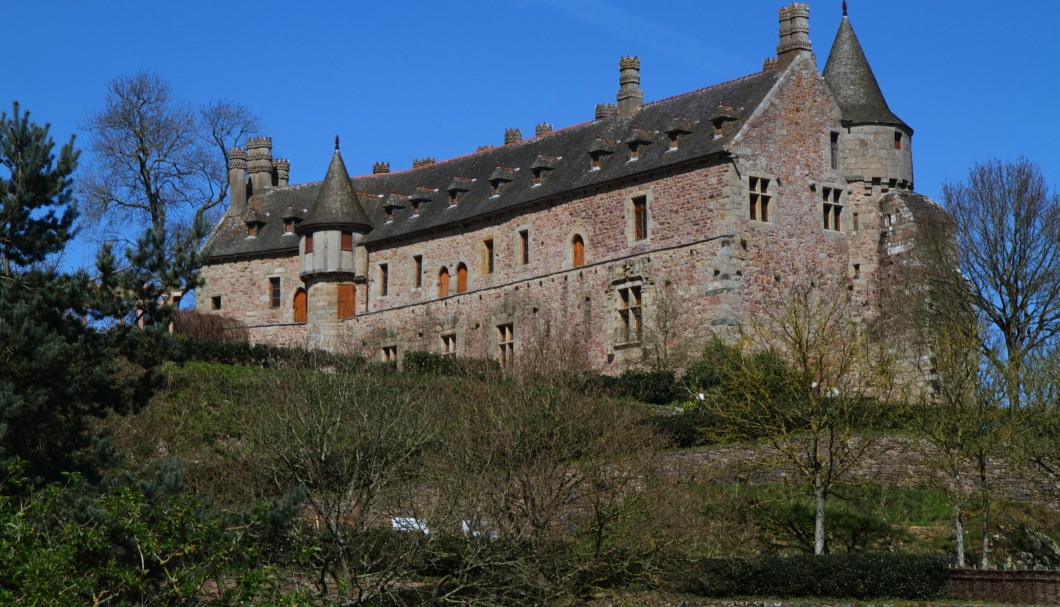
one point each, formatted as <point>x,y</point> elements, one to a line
<point>158,163</point>
<point>963,425</point>
<point>809,381</point>
<point>1006,226</point>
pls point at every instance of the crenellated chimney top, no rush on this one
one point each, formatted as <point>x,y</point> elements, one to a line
<point>512,136</point>
<point>543,128</point>
<point>380,168</point>
<point>422,162</point>
<point>630,97</point>
<point>794,34</point>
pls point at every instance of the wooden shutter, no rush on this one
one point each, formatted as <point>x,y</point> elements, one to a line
<point>347,298</point>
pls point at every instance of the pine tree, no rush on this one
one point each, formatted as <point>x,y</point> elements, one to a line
<point>64,355</point>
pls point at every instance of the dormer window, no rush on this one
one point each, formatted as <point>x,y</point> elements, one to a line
<point>391,203</point>
<point>252,230</point>
<point>458,186</point>
<point>500,178</point>
<point>600,150</point>
<point>677,130</point>
<point>636,140</point>
<point>389,214</point>
<point>254,222</point>
<point>722,117</point>
<point>541,166</point>
<point>290,220</point>
<point>420,196</point>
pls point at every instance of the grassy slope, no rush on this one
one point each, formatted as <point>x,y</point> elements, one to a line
<point>199,418</point>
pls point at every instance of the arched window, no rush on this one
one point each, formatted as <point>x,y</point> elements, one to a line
<point>461,278</point>
<point>443,282</point>
<point>578,250</point>
<point>299,306</point>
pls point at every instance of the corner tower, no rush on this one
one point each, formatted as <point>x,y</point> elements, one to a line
<point>329,254</point>
<point>877,144</point>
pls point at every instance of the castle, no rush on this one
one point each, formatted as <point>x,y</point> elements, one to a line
<point>711,199</point>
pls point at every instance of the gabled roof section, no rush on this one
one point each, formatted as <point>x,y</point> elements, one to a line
<point>336,204</point>
<point>853,84</point>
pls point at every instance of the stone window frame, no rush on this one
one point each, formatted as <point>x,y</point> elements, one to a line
<point>831,202</point>
<point>834,149</point>
<point>488,262</point>
<point>631,217</point>
<point>384,278</point>
<point>449,343</point>
<point>417,270</point>
<point>275,291</point>
<point>506,343</point>
<point>523,246</point>
<point>629,305</point>
<point>761,200</point>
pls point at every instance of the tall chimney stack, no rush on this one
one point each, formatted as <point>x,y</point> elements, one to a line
<point>794,34</point>
<point>283,171</point>
<point>237,182</point>
<point>259,163</point>
<point>630,97</point>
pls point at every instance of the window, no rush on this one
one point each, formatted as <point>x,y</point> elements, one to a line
<point>834,150</point>
<point>898,140</point>
<point>640,218</point>
<point>390,355</point>
<point>389,214</point>
<point>461,278</point>
<point>216,301</point>
<point>629,314</point>
<point>449,345</point>
<point>831,210</point>
<point>417,271</point>
<point>252,230</point>
<point>524,247</point>
<point>308,243</point>
<point>347,297</point>
<point>506,344</point>
<point>443,282</point>
<point>347,241</point>
<point>384,279</point>
<point>274,292</point>
<point>288,226</point>
<point>855,218</point>
<point>597,158</point>
<point>537,177</point>
<point>300,307</point>
<point>633,150</point>
<point>578,251</point>
<point>487,256</point>
<point>760,198</point>
<point>452,198</point>
<point>415,208</point>
<point>857,271</point>
<point>673,140</point>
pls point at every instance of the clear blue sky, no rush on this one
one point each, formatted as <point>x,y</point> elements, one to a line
<point>398,80</point>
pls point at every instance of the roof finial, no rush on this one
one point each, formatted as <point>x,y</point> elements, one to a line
<point>844,8</point>
<point>336,143</point>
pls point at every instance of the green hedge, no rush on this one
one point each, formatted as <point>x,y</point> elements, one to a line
<point>841,576</point>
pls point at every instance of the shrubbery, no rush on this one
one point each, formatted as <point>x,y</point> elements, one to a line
<point>842,575</point>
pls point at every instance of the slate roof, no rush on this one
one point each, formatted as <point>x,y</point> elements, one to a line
<point>853,84</point>
<point>336,204</point>
<point>566,150</point>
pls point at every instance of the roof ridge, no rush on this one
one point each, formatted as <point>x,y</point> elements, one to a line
<point>706,88</point>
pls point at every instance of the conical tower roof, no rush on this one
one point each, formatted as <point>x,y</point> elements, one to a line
<point>336,204</point>
<point>853,84</point>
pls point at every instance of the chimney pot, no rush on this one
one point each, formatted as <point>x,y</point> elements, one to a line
<point>380,168</point>
<point>543,128</point>
<point>605,110</point>
<point>794,34</point>
<point>422,162</point>
<point>512,136</point>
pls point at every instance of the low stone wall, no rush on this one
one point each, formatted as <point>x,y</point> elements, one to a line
<point>1019,587</point>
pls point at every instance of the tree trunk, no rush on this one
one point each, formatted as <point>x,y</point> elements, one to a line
<point>985,564</point>
<point>958,522</point>
<point>818,522</point>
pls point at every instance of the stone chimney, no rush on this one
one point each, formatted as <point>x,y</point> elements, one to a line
<point>630,97</point>
<point>259,163</point>
<point>794,34</point>
<point>543,128</point>
<point>512,136</point>
<point>606,110</point>
<point>422,162</point>
<point>237,182</point>
<point>283,171</point>
<point>380,168</point>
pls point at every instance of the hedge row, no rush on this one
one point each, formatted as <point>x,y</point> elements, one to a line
<point>842,575</point>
